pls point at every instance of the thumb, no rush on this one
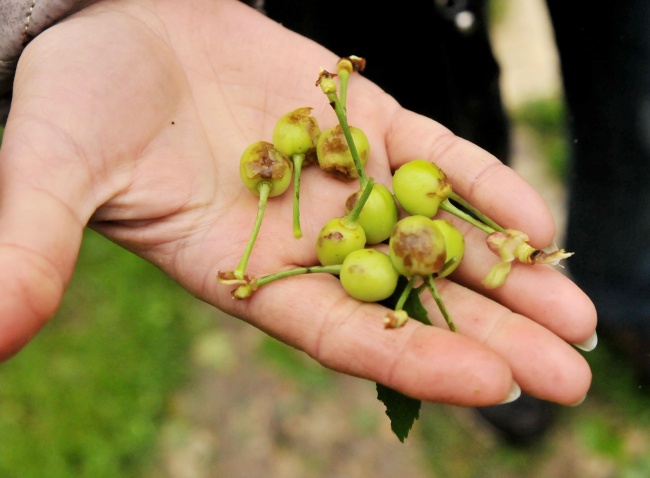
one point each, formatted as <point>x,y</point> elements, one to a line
<point>40,236</point>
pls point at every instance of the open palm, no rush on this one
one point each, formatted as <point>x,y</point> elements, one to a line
<point>131,116</point>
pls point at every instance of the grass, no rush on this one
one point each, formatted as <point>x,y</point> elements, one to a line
<point>86,397</point>
<point>606,436</point>
<point>546,119</point>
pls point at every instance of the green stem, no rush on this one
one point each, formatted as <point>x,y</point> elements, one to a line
<point>353,215</point>
<point>339,109</point>
<point>335,269</point>
<point>405,293</point>
<point>298,160</point>
<point>344,75</point>
<point>265,189</point>
<point>475,212</point>
<point>430,281</point>
<point>446,205</point>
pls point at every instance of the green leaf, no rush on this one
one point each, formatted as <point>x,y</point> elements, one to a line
<point>401,409</point>
<point>412,306</point>
<point>415,309</point>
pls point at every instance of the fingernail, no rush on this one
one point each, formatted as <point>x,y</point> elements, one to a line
<point>579,402</point>
<point>589,344</point>
<point>515,393</point>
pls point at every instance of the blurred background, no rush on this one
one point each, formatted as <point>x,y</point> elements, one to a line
<point>135,378</point>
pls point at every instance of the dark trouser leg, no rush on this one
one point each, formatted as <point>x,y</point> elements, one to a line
<point>605,57</point>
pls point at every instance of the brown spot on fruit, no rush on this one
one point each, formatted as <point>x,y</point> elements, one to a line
<point>269,163</point>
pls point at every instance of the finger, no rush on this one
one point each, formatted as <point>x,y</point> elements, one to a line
<point>540,292</point>
<point>542,364</point>
<point>40,235</point>
<point>315,315</point>
<point>476,175</point>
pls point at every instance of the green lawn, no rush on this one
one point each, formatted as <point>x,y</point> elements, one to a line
<point>86,397</point>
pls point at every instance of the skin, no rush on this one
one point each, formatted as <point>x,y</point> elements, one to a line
<point>130,117</point>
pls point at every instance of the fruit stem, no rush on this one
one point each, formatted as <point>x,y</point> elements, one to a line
<point>475,212</point>
<point>333,269</point>
<point>326,82</point>
<point>431,284</point>
<point>405,294</point>
<point>344,75</point>
<point>346,66</point>
<point>264,188</point>
<point>446,205</point>
<point>353,215</point>
<point>298,160</point>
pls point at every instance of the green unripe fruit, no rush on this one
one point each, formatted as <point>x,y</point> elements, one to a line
<point>297,132</point>
<point>337,239</point>
<point>417,247</point>
<point>263,162</point>
<point>455,246</point>
<point>379,213</point>
<point>368,275</point>
<point>334,155</point>
<point>420,186</point>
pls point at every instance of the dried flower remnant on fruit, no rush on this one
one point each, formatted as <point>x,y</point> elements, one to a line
<point>244,291</point>
<point>358,63</point>
<point>395,319</point>
<point>497,275</point>
<point>230,278</point>
<point>326,81</point>
<point>512,244</point>
<point>352,63</point>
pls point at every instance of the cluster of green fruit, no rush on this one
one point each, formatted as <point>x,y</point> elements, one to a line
<point>421,247</point>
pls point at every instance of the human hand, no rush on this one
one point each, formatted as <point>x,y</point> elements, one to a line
<point>131,116</point>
